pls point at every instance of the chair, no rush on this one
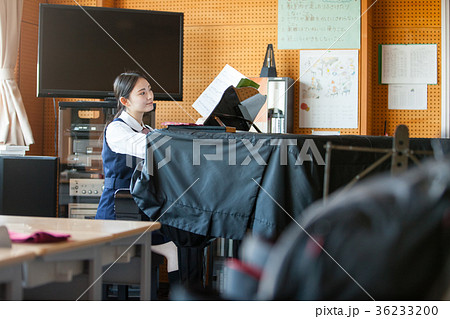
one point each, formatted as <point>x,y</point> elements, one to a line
<point>126,209</point>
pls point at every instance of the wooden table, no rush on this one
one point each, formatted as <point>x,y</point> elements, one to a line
<point>95,242</point>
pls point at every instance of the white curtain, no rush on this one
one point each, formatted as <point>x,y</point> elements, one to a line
<point>14,126</point>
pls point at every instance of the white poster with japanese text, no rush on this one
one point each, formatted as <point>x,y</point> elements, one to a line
<point>319,24</point>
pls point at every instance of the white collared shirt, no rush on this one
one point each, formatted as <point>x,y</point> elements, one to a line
<point>122,138</point>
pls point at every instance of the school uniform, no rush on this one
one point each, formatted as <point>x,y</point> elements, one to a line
<point>123,147</point>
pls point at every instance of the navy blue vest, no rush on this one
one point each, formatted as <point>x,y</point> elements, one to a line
<point>118,169</point>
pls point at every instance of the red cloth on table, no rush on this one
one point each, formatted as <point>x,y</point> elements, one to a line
<point>37,237</point>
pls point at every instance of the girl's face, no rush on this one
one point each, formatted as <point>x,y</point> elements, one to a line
<point>140,100</point>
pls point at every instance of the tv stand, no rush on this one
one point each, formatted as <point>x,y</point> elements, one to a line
<point>89,104</point>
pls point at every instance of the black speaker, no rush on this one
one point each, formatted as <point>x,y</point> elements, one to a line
<point>28,185</point>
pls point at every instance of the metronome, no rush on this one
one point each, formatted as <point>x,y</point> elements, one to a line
<point>269,69</point>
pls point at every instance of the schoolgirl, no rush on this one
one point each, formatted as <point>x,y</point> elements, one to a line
<point>124,142</point>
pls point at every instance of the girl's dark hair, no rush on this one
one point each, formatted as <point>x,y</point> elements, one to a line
<point>123,85</point>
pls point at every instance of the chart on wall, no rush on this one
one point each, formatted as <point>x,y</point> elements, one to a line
<point>328,89</point>
<point>319,24</point>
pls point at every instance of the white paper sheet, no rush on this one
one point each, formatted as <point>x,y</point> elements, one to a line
<point>415,64</point>
<point>329,89</point>
<point>326,133</point>
<point>208,100</point>
<point>407,97</point>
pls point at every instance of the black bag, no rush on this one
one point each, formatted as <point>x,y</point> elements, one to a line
<point>386,239</point>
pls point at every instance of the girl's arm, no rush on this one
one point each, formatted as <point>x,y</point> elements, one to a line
<point>122,139</point>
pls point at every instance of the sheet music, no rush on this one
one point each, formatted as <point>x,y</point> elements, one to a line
<point>208,100</point>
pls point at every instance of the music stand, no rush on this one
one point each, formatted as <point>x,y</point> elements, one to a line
<point>399,154</point>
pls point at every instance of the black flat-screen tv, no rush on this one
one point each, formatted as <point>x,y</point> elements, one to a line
<point>82,49</point>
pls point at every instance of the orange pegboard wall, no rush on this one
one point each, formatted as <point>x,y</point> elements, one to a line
<point>237,32</point>
<point>407,13</point>
<point>218,12</point>
<point>90,3</point>
<point>217,33</point>
<point>404,22</point>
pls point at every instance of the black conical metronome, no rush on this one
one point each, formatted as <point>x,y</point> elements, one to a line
<point>269,69</point>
